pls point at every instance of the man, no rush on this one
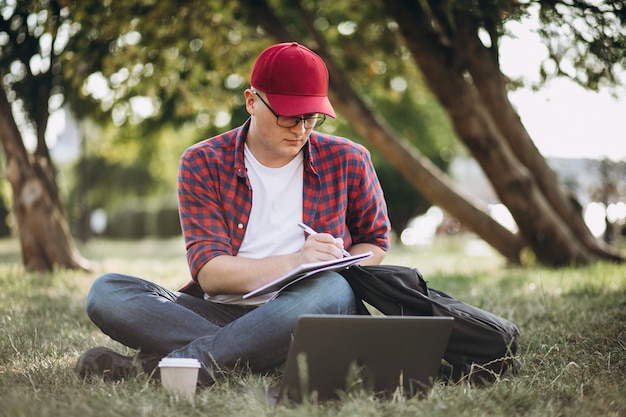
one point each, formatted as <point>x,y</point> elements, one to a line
<point>241,197</point>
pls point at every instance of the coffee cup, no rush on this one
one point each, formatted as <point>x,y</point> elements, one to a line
<point>179,376</point>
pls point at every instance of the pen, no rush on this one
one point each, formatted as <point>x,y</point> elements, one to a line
<point>310,231</point>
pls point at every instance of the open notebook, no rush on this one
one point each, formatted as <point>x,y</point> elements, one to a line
<point>306,270</point>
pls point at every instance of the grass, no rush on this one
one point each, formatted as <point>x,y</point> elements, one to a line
<point>573,324</point>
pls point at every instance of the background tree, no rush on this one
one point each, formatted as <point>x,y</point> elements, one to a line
<point>464,74</point>
<point>29,70</point>
<point>610,190</point>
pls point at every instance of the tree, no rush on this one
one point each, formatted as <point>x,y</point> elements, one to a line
<point>443,38</point>
<point>44,234</point>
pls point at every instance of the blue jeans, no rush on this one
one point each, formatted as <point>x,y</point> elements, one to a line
<point>143,315</point>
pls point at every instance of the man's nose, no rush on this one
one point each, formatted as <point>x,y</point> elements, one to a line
<point>299,127</point>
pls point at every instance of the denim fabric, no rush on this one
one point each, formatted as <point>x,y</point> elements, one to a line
<point>146,316</point>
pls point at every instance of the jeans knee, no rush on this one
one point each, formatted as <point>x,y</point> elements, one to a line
<point>99,296</point>
<point>94,295</point>
<point>329,293</point>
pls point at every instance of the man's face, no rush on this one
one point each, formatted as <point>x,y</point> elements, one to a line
<point>272,145</point>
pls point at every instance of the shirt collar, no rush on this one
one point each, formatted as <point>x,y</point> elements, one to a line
<point>240,139</point>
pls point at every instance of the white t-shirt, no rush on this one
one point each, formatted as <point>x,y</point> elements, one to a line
<point>276,210</point>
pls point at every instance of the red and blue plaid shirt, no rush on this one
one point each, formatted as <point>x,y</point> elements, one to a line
<point>341,194</point>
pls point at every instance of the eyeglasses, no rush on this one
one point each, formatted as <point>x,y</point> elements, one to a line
<point>310,122</point>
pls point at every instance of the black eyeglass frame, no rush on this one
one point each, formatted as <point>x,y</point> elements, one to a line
<point>293,121</point>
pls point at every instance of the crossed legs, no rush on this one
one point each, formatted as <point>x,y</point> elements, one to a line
<point>148,317</point>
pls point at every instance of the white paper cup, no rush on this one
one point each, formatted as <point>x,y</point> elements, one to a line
<point>179,376</point>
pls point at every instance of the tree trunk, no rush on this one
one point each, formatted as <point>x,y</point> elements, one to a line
<point>44,235</point>
<point>420,172</point>
<point>551,240</point>
<point>417,169</point>
<point>483,65</point>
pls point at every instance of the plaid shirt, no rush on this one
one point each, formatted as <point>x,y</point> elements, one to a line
<point>341,194</point>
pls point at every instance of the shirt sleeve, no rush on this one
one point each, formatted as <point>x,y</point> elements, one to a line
<point>200,209</point>
<point>367,217</point>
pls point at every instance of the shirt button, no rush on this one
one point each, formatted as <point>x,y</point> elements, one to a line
<point>240,226</point>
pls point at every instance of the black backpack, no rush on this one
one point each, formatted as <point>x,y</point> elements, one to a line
<point>482,345</point>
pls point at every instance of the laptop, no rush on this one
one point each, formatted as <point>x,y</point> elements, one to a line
<point>332,354</point>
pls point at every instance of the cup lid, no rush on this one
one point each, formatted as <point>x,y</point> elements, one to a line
<point>179,363</point>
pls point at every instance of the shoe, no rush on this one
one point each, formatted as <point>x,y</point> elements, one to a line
<point>113,366</point>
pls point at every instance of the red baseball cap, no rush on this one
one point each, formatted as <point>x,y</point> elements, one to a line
<point>294,79</point>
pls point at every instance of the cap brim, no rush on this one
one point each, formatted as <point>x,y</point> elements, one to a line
<point>297,105</point>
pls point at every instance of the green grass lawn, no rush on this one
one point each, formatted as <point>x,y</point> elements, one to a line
<point>573,324</point>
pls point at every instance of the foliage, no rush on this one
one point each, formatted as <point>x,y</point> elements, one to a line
<point>572,324</point>
<point>585,40</point>
<point>191,58</point>
<point>159,50</point>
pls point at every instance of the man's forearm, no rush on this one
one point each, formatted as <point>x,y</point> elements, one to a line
<point>377,253</point>
<point>236,275</point>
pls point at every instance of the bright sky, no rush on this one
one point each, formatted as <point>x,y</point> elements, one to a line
<point>563,119</point>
